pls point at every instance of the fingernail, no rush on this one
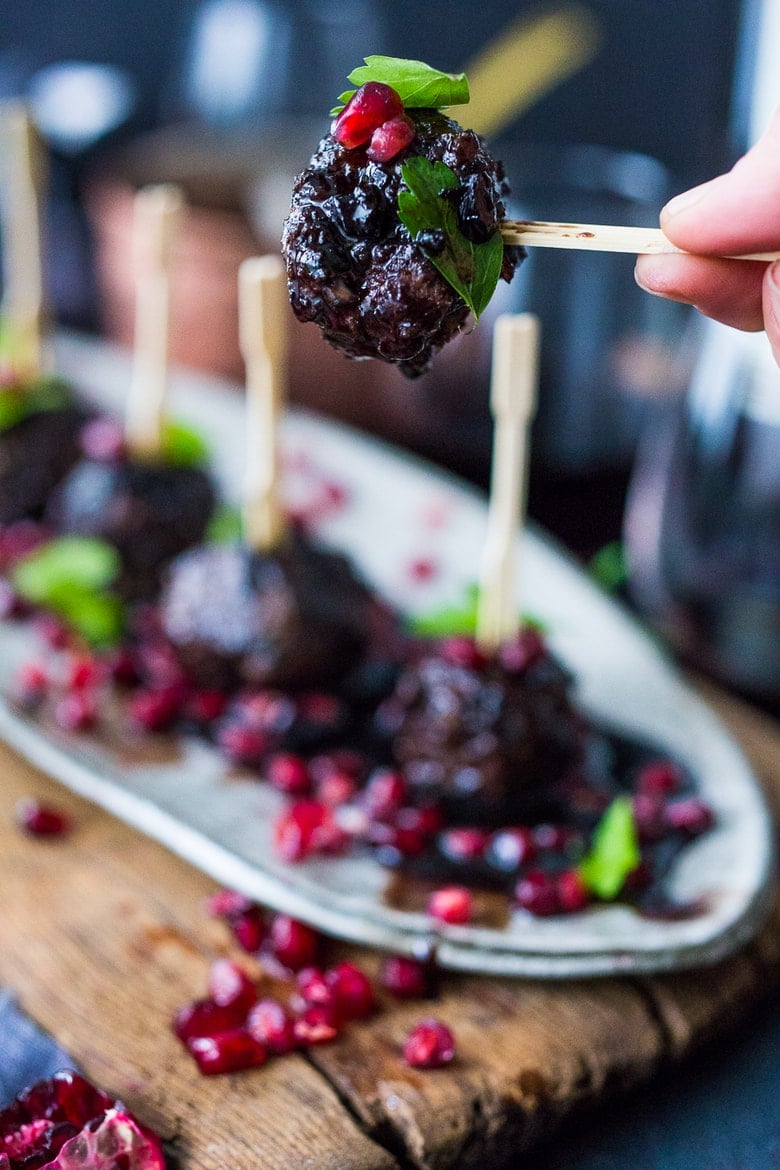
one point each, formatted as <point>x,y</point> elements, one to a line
<point>687,199</point>
<point>642,270</point>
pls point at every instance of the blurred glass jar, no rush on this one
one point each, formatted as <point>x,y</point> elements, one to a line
<point>702,526</point>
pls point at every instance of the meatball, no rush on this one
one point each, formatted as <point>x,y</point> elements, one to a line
<point>353,267</point>
<point>35,454</point>
<point>294,618</point>
<point>148,512</point>
<point>487,737</point>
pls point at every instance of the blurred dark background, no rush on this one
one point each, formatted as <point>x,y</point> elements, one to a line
<point>634,100</point>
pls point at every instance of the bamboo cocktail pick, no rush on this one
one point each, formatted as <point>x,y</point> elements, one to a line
<point>513,402</point>
<point>600,237</point>
<point>22,306</point>
<point>158,214</point>
<point>262,329</point>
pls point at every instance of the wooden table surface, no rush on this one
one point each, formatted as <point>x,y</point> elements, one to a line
<point>103,937</point>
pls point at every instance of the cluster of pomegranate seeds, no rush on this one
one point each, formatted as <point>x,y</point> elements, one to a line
<point>65,1123</point>
<point>235,1027</point>
<point>452,905</point>
<point>542,893</point>
<point>41,820</point>
<point>430,1044</point>
<point>374,115</point>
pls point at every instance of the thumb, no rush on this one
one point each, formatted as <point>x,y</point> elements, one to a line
<point>772,307</point>
<point>736,212</point>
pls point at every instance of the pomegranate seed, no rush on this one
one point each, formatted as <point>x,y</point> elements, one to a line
<point>17,540</point>
<point>691,816</point>
<point>41,820</point>
<point>422,569</point>
<point>430,1044</point>
<point>203,1017</point>
<point>571,891</point>
<point>370,106</point>
<point>271,1025</point>
<point>316,1025</point>
<point>336,788</point>
<point>384,794</point>
<point>230,986</point>
<point>320,711</point>
<point>352,992</point>
<point>296,832</point>
<point>227,903</point>
<point>659,778</point>
<point>84,673</point>
<point>227,1052</point>
<point>313,987</point>
<point>76,712</point>
<point>32,682</point>
<point>267,711</point>
<point>248,929</point>
<point>52,630</point>
<point>155,710</point>
<point>462,844</point>
<point>389,139</point>
<point>122,668</point>
<point>102,439</point>
<point>242,745</point>
<point>292,943</point>
<point>451,904</point>
<point>650,817</point>
<point>462,651</point>
<point>205,707</point>
<point>522,652</point>
<point>426,821</point>
<point>289,773</point>
<point>537,893</point>
<point>405,978</point>
<point>509,849</point>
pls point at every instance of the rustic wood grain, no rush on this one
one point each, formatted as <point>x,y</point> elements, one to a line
<point>103,937</point>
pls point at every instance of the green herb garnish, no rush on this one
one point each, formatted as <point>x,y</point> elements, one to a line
<point>73,576</point>
<point>183,446</point>
<point>608,567</point>
<point>20,400</point>
<point>225,525</point>
<point>459,619</point>
<point>614,851</point>
<point>417,84</point>
<point>473,270</point>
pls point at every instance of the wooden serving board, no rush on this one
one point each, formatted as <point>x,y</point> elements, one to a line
<point>103,937</point>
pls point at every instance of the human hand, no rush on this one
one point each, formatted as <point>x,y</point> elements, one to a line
<point>734,213</point>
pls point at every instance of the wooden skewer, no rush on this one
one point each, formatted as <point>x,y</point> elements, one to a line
<point>22,306</point>
<point>263,309</point>
<point>599,237</point>
<point>158,213</point>
<point>513,402</point>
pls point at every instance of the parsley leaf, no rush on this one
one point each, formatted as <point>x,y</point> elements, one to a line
<point>72,576</point>
<point>182,446</point>
<point>459,619</point>
<point>614,851</point>
<point>417,84</point>
<point>473,270</point>
<point>22,399</point>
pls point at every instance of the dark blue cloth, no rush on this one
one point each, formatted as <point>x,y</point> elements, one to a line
<point>26,1053</point>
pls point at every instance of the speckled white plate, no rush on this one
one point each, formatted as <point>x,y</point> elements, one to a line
<point>399,511</point>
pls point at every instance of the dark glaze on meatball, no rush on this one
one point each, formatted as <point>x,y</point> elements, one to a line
<point>148,512</point>
<point>353,267</point>
<point>35,454</point>
<point>487,737</point>
<point>295,618</point>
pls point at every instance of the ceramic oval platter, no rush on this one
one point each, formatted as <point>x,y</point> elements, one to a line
<point>395,512</point>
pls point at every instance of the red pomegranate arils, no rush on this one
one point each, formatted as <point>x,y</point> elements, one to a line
<point>452,905</point>
<point>389,139</point>
<point>203,1017</point>
<point>430,1044</point>
<point>537,893</point>
<point>351,990</point>
<point>226,903</point>
<point>313,987</point>
<point>405,978</point>
<point>289,773</point>
<point>317,1024</point>
<point>659,778</point>
<point>272,1026</point>
<point>249,929</point>
<point>41,820</point>
<point>227,1052</point>
<point>230,986</point>
<point>571,891</point>
<point>370,106</point>
<point>76,711</point>
<point>691,815</point>
<point>292,943</point>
